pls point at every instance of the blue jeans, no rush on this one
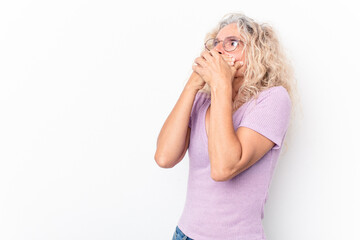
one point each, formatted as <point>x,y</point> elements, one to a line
<point>179,235</point>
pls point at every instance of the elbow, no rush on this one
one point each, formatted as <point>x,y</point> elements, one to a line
<point>222,168</point>
<point>221,172</point>
<point>161,162</point>
<point>216,178</point>
<point>219,175</point>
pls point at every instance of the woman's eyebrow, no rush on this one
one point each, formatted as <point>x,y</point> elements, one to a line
<point>229,37</point>
<point>234,37</point>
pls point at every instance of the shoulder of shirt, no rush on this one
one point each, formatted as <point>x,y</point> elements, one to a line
<point>276,94</point>
<point>274,89</point>
<point>277,91</point>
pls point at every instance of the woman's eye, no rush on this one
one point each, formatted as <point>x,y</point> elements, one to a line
<point>234,43</point>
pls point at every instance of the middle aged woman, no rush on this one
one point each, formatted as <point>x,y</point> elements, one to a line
<point>232,116</point>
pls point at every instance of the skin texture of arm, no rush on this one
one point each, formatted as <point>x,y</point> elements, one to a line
<point>173,139</point>
<point>231,152</point>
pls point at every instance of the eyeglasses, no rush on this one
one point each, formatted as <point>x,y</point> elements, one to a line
<point>229,44</point>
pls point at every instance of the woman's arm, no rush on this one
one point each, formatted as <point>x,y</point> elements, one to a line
<point>224,146</point>
<point>233,152</point>
<point>174,134</point>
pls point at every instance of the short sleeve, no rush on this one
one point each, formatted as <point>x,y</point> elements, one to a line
<point>269,115</point>
<point>198,101</point>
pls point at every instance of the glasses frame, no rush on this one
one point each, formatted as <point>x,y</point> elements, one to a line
<point>223,44</point>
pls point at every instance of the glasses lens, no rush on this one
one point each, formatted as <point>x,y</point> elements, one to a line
<point>211,43</point>
<point>230,44</point>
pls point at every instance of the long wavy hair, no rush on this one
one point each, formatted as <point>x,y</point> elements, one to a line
<point>266,63</point>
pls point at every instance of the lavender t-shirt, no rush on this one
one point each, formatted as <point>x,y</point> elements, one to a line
<point>233,209</point>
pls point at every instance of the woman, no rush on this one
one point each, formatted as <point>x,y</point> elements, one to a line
<point>232,116</point>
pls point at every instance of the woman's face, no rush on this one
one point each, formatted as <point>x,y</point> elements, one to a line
<point>228,31</point>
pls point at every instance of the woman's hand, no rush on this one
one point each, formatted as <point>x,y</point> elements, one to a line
<point>216,69</point>
<point>195,81</point>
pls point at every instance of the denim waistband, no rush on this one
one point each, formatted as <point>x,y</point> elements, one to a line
<point>181,234</point>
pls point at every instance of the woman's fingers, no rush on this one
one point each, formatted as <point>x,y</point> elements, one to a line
<point>229,59</point>
<point>198,69</point>
<point>200,61</point>
<point>239,72</point>
<point>206,55</point>
<point>238,64</point>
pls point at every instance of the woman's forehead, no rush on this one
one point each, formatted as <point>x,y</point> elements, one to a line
<point>229,30</point>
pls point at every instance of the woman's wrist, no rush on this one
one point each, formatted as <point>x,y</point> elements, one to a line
<point>221,90</point>
<point>191,87</point>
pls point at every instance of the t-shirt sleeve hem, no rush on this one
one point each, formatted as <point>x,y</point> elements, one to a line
<point>274,139</point>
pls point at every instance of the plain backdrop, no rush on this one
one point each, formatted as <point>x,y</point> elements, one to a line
<point>85,87</point>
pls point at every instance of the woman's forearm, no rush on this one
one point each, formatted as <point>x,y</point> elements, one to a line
<point>224,146</point>
<point>172,136</point>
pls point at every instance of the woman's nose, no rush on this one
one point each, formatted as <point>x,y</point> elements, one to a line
<point>219,48</point>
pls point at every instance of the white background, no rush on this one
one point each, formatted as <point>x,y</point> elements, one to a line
<point>85,87</point>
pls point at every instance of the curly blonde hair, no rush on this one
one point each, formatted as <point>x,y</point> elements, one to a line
<point>266,63</point>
